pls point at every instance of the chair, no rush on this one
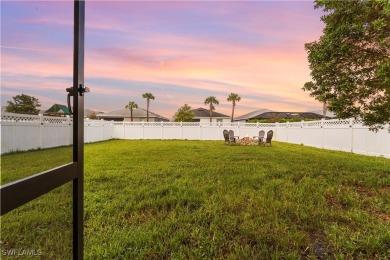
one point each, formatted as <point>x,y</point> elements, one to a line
<point>232,139</point>
<point>226,136</point>
<point>270,134</point>
<point>261,137</point>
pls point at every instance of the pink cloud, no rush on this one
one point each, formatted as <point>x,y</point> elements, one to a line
<point>124,42</point>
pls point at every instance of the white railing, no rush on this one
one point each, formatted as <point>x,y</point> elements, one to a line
<point>25,132</point>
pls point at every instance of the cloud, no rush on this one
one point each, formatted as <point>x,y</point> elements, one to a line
<point>180,51</point>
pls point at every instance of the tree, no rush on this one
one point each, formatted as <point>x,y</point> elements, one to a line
<point>234,98</point>
<point>350,63</point>
<point>131,106</point>
<point>211,101</point>
<point>93,116</point>
<point>148,97</point>
<point>184,114</point>
<point>23,104</point>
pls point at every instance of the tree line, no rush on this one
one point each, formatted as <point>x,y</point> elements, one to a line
<point>185,113</point>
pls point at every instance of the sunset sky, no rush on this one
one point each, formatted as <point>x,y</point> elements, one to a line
<point>180,51</point>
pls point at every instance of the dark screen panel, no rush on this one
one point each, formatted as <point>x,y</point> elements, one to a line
<point>42,227</point>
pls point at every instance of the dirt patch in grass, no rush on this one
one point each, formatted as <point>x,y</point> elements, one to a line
<point>364,191</point>
<point>385,189</point>
<point>334,202</point>
<point>331,201</point>
<point>385,217</point>
<point>320,246</point>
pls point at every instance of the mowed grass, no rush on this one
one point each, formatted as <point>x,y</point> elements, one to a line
<point>203,199</point>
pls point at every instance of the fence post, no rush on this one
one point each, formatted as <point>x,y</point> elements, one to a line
<point>70,130</point>
<point>351,126</point>
<point>102,127</point>
<point>181,130</point>
<point>287,130</point>
<point>124,129</point>
<point>40,130</point>
<point>388,143</point>
<point>276,130</point>
<point>200,131</point>
<point>143,130</point>
<point>322,132</point>
<point>162,130</point>
<point>86,132</point>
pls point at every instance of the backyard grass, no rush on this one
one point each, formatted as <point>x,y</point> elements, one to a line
<point>203,199</point>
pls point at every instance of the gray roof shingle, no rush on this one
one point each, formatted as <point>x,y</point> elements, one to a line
<point>137,112</point>
<point>252,114</point>
<point>202,112</point>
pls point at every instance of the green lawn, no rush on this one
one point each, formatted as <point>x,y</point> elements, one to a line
<point>204,199</point>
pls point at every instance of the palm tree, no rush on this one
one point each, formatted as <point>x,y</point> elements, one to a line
<point>130,106</point>
<point>234,98</point>
<point>211,100</point>
<point>148,97</point>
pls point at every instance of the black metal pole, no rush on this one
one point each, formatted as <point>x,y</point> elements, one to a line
<point>78,129</point>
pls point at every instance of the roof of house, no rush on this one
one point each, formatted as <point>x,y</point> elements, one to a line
<point>137,112</point>
<point>57,108</point>
<point>202,113</point>
<point>88,112</point>
<point>266,114</point>
<point>251,114</point>
<point>288,115</point>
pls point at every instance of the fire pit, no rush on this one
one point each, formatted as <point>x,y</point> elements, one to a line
<point>246,141</point>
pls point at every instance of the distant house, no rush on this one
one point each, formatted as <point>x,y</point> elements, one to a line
<point>89,112</point>
<point>251,115</point>
<point>329,114</point>
<point>57,110</point>
<point>62,110</point>
<point>269,114</point>
<point>203,115</point>
<point>139,115</point>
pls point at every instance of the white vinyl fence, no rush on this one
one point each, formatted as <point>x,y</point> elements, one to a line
<point>25,132</point>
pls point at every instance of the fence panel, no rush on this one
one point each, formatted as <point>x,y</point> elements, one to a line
<point>20,137</point>
<point>132,132</point>
<point>281,133</point>
<point>295,133</point>
<point>211,133</point>
<point>313,136</point>
<point>55,135</point>
<point>118,131</point>
<point>153,131</point>
<point>191,133</point>
<point>25,132</point>
<point>28,132</point>
<point>171,132</point>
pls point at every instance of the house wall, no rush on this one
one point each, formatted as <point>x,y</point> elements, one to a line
<point>136,119</point>
<point>142,119</point>
<point>214,120</point>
